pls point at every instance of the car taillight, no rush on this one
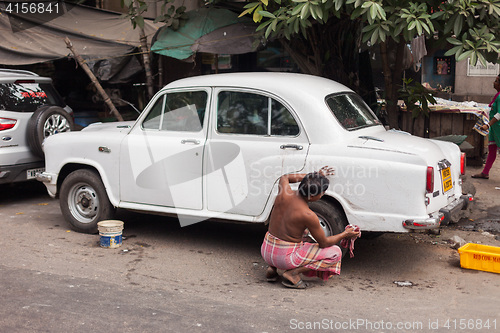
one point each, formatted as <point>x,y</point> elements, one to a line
<point>6,123</point>
<point>462,164</point>
<point>430,180</point>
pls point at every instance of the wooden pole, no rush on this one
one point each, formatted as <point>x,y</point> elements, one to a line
<point>145,57</point>
<point>94,80</point>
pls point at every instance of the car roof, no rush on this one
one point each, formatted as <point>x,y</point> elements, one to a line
<point>17,74</point>
<point>291,83</point>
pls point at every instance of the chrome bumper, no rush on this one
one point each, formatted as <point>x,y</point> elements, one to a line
<point>43,177</point>
<point>453,208</point>
<point>50,182</point>
<point>443,217</point>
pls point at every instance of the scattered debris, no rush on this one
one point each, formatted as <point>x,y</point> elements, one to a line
<point>486,233</point>
<point>404,283</point>
<point>457,241</point>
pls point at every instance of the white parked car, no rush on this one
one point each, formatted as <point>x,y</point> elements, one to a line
<point>214,147</point>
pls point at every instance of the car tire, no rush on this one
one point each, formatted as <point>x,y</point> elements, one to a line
<point>84,201</point>
<point>46,121</point>
<point>331,218</point>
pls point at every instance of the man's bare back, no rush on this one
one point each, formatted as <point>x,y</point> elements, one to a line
<point>291,214</point>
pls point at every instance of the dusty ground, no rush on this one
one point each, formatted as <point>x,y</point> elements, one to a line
<point>216,272</point>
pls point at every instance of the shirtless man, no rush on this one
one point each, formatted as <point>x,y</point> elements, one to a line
<point>283,247</point>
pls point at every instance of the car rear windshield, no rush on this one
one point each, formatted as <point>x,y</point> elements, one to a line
<point>351,111</point>
<point>27,97</point>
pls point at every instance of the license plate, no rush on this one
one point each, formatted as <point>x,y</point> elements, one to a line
<point>446,178</point>
<point>31,173</point>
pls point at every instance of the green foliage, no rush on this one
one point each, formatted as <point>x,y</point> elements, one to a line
<point>416,98</point>
<point>172,16</point>
<point>470,25</point>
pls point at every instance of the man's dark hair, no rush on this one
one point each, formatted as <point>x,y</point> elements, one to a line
<point>313,184</point>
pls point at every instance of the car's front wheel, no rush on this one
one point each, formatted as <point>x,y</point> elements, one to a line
<point>331,218</point>
<point>84,201</point>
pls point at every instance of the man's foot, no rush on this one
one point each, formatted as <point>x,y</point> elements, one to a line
<point>272,274</point>
<point>480,175</point>
<point>299,285</point>
<point>291,278</point>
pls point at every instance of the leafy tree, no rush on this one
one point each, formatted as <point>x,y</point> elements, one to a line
<point>470,26</point>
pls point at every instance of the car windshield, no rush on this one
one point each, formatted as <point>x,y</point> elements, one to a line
<point>351,111</point>
<point>27,97</point>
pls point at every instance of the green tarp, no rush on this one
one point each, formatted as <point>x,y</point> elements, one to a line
<point>178,43</point>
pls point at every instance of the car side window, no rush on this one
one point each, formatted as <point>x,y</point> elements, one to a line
<point>282,121</point>
<point>249,113</point>
<point>178,111</point>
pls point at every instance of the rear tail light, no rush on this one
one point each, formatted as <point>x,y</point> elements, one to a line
<point>430,180</point>
<point>462,164</point>
<point>6,123</point>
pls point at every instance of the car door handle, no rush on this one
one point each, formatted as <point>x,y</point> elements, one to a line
<point>193,141</point>
<point>297,147</point>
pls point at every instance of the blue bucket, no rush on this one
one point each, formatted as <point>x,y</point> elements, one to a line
<point>111,241</point>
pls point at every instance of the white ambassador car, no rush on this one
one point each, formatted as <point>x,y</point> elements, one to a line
<point>214,147</point>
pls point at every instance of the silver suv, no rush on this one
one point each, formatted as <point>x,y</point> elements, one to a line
<point>30,110</point>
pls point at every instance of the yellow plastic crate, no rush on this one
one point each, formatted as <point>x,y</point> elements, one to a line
<point>480,257</point>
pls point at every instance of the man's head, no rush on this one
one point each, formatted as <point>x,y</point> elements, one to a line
<point>313,184</point>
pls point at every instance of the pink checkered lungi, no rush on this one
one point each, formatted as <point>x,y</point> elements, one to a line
<point>281,254</point>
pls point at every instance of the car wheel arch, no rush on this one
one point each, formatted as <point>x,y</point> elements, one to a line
<point>69,168</point>
<point>335,204</point>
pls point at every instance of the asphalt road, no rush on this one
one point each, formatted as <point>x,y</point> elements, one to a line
<point>209,277</point>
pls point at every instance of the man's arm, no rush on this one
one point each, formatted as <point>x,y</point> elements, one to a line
<point>293,177</point>
<point>297,177</point>
<point>319,235</point>
<point>285,180</point>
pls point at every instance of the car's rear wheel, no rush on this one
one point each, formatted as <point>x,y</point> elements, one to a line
<point>84,201</point>
<point>46,121</point>
<point>331,218</point>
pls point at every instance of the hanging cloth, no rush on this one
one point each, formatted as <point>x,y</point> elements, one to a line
<point>418,51</point>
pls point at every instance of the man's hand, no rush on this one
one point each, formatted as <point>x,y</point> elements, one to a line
<point>350,233</point>
<point>326,171</point>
